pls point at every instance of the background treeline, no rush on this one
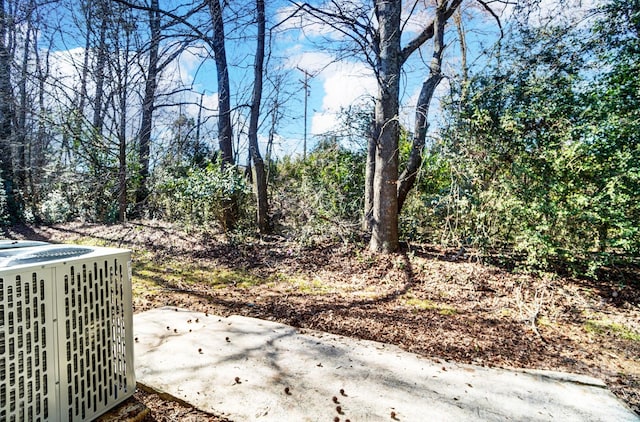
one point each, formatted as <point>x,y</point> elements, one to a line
<point>535,153</point>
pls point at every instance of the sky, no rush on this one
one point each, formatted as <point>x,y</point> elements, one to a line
<point>333,85</point>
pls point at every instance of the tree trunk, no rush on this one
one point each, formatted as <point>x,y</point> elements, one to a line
<point>101,203</point>
<point>81,98</point>
<point>225,130</point>
<point>144,139</point>
<point>369,173</point>
<point>39,141</point>
<point>101,62</point>
<point>122,173</point>
<point>21,119</point>
<point>272,128</point>
<point>259,178</point>
<point>414,163</point>
<point>389,61</point>
<point>123,82</point>
<point>457,18</point>
<point>6,118</point>
<point>384,233</point>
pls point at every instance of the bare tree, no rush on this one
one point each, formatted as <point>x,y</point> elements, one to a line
<point>259,177</point>
<point>39,144</point>
<point>384,221</point>
<point>379,42</point>
<point>104,13</point>
<point>123,70</point>
<point>22,106</point>
<point>148,102</point>
<point>157,62</point>
<point>369,173</point>
<point>225,130</point>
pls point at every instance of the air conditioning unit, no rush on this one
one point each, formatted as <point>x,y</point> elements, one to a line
<point>66,347</point>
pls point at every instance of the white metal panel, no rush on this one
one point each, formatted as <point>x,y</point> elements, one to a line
<point>27,346</point>
<point>95,336</point>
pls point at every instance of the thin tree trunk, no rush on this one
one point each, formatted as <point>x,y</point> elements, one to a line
<point>38,159</point>
<point>148,103</point>
<point>259,179</point>
<point>6,117</point>
<point>272,131</point>
<point>198,156</point>
<point>21,123</point>
<point>122,130</point>
<point>101,206</point>
<point>457,18</point>
<point>78,117</point>
<point>414,163</point>
<point>101,61</point>
<point>369,173</point>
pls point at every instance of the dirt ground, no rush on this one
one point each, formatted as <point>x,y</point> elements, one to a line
<point>442,304</point>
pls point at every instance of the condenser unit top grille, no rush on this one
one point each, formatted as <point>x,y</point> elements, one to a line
<point>41,254</point>
<point>13,244</point>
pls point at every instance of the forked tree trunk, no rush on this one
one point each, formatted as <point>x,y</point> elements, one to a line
<point>414,163</point>
<point>390,59</point>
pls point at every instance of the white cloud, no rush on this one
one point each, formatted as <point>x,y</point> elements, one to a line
<point>181,72</point>
<point>311,61</point>
<point>333,86</point>
<point>282,146</point>
<point>344,84</point>
<point>67,63</point>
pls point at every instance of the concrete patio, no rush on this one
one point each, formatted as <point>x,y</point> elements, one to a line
<point>247,369</point>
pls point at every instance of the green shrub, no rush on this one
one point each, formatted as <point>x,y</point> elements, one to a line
<point>199,196</point>
<point>55,208</point>
<point>320,196</point>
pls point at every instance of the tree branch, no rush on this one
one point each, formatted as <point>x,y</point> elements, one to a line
<point>414,163</point>
<point>427,32</point>
<point>180,19</point>
<point>486,6</point>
